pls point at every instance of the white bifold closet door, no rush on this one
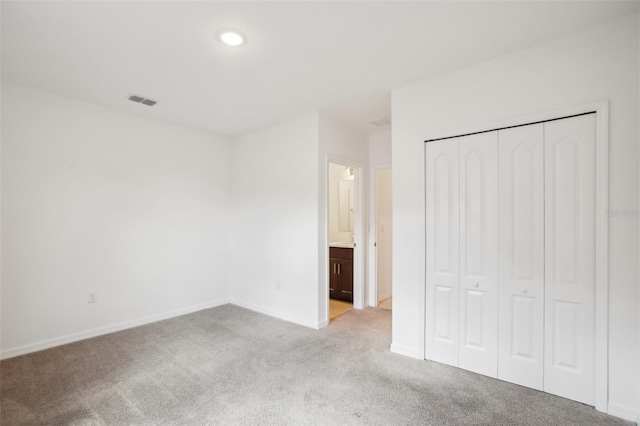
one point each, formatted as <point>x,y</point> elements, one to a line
<point>510,267</point>
<point>521,331</point>
<point>569,147</point>
<point>443,251</point>
<point>478,350</point>
<point>462,252</point>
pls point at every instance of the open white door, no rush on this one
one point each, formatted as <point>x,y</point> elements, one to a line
<point>384,233</point>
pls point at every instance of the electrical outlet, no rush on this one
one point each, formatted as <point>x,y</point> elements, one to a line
<point>93,297</point>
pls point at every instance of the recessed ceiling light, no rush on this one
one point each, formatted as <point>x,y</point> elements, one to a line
<point>231,38</point>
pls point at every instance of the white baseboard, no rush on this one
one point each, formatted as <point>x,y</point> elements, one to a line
<point>384,296</point>
<point>406,351</point>
<point>70,338</point>
<point>623,411</point>
<point>276,314</point>
<point>50,343</point>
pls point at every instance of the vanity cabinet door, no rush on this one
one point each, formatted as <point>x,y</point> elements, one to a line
<point>341,273</point>
<point>334,279</point>
<point>346,279</point>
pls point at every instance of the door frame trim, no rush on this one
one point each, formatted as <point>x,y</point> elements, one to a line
<point>601,108</point>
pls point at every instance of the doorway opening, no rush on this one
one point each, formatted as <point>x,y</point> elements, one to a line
<point>380,287</point>
<point>383,238</point>
<point>342,229</point>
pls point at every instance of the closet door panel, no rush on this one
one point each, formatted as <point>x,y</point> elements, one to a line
<point>521,277</point>
<point>442,251</point>
<point>570,258</point>
<point>479,253</point>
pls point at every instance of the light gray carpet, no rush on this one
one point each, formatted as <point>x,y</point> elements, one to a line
<point>228,365</point>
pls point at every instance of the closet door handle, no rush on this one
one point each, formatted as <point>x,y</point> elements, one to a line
<point>338,269</point>
<point>334,268</point>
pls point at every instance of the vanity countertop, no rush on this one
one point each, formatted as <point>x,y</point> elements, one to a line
<point>341,244</point>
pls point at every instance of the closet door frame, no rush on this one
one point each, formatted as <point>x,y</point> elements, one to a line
<point>601,109</point>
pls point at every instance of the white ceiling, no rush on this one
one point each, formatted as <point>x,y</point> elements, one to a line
<point>301,57</point>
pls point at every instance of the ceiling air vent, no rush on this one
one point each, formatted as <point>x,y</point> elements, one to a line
<point>142,100</point>
<point>381,122</point>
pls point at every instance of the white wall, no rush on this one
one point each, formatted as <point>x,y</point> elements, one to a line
<point>380,147</point>
<point>158,219</point>
<point>97,200</point>
<point>275,220</point>
<point>597,64</point>
<point>342,144</point>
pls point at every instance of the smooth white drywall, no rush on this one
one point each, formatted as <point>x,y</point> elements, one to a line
<point>597,64</point>
<point>380,148</point>
<point>97,200</point>
<point>336,174</point>
<point>275,220</point>
<point>342,144</point>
